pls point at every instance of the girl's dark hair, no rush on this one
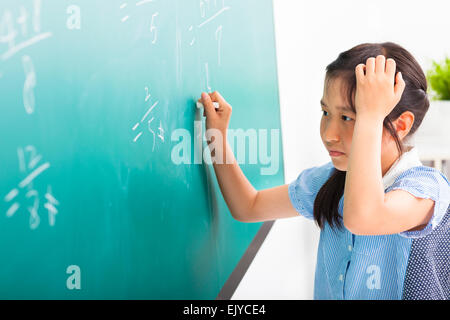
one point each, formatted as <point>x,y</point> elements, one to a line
<point>414,99</point>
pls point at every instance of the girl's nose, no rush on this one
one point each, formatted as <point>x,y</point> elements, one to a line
<point>331,133</point>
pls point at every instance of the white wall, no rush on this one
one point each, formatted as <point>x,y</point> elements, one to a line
<point>310,35</point>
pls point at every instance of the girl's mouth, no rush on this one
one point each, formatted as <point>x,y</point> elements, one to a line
<point>335,153</point>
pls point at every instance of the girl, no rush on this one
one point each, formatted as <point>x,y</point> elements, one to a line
<point>384,217</point>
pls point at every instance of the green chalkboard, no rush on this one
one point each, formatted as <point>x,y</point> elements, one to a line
<point>92,95</point>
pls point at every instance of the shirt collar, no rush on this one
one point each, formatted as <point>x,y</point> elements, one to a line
<point>408,160</point>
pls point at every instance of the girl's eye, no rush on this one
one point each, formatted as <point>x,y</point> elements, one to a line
<point>347,118</point>
<point>344,117</point>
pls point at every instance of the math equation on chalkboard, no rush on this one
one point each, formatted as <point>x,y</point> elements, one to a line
<point>26,26</point>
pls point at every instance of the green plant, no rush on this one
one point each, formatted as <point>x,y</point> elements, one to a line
<point>439,79</point>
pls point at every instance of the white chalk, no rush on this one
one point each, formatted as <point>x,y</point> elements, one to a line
<point>200,105</point>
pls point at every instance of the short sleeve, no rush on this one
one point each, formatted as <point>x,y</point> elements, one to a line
<point>428,183</point>
<point>303,190</point>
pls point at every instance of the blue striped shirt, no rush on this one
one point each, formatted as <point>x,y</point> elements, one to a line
<point>376,267</point>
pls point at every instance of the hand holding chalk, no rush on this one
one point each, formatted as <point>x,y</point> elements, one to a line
<point>200,105</point>
<point>216,110</point>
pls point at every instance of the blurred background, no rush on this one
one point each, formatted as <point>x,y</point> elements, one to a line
<point>310,35</point>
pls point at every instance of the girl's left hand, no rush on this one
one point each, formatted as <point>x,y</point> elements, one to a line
<point>378,90</point>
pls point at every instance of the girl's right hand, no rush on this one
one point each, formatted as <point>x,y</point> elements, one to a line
<point>216,118</point>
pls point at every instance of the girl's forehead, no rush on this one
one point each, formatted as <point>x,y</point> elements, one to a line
<point>335,91</point>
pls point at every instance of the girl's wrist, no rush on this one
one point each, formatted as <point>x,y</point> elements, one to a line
<point>370,117</point>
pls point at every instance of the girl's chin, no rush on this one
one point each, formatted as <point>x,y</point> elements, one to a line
<point>339,164</point>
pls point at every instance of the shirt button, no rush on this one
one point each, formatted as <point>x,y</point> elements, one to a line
<point>341,277</point>
<point>350,248</point>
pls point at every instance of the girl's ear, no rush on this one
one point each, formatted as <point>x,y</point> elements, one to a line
<point>404,123</point>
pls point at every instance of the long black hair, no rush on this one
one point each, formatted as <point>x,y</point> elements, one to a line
<point>414,99</point>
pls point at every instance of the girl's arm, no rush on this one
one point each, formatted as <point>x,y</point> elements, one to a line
<point>367,209</point>
<point>245,203</point>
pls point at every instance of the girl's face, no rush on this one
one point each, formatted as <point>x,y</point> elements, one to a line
<point>337,124</point>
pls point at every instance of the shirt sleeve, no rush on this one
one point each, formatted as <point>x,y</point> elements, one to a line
<point>428,183</point>
<point>304,189</point>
